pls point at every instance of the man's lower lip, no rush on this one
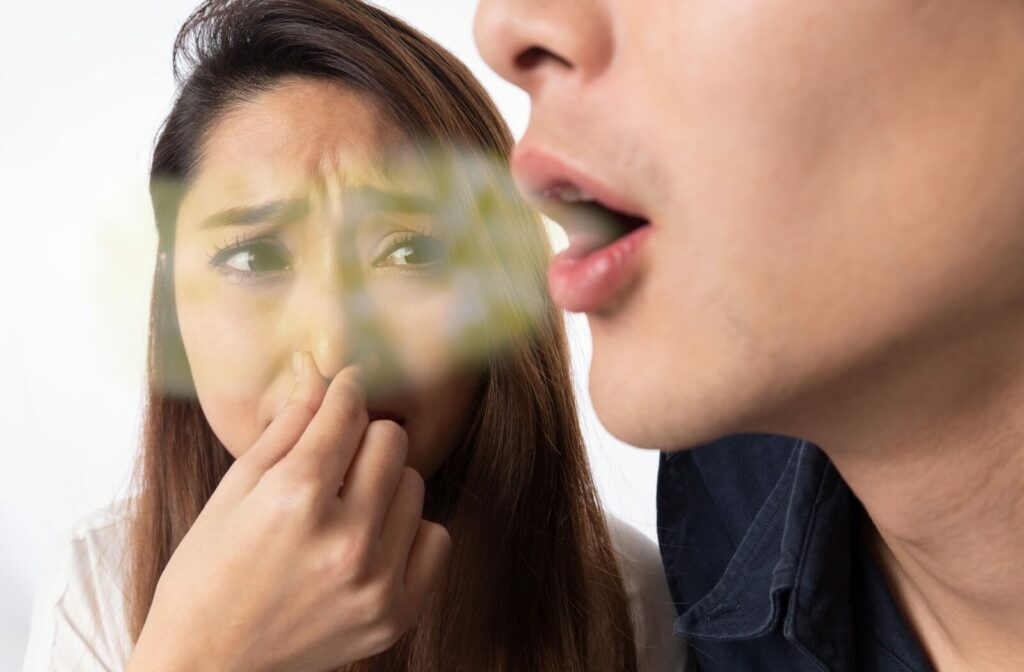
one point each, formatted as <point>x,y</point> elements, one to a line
<point>588,283</point>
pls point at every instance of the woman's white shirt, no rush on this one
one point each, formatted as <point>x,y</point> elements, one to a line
<point>659,649</point>
<point>79,621</point>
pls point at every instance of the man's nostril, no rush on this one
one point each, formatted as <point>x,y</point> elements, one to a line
<point>535,56</point>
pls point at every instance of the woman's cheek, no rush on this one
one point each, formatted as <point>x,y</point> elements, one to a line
<point>419,327</point>
<point>230,345</point>
<point>238,392</point>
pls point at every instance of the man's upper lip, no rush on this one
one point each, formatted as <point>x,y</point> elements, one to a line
<point>539,172</point>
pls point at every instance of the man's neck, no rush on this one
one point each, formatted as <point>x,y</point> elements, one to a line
<point>949,536</point>
<point>932,443</point>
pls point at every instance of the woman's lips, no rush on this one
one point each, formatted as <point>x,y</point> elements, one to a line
<point>386,415</point>
<point>583,279</point>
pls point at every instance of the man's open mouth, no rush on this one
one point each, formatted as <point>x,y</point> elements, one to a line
<point>589,224</point>
<point>606,228</point>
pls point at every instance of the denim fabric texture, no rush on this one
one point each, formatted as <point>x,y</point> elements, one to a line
<point>765,559</point>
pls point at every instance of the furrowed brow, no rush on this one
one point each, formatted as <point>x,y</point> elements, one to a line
<point>394,201</point>
<point>274,212</point>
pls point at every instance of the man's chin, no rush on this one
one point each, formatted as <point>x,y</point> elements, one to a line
<point>652,426</point>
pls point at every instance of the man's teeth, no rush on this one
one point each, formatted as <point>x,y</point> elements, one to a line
<point>570,194</point>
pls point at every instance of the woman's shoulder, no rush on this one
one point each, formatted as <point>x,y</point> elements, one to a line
<point>98,543</point>
<point>79,619</point>
<point>654,613</point>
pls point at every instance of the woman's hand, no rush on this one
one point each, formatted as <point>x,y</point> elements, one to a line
<point>282,571</point>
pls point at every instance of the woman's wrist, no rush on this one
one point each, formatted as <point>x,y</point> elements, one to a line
<point>156,654</point>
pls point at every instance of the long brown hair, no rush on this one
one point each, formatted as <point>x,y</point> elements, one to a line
<point>532,582</point>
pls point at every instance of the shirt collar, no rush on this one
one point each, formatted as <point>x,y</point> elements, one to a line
<point>791,569</point>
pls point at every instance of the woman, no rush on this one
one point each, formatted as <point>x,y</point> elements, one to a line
<point>350,337</point>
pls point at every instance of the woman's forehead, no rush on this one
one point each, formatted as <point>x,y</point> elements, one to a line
<point>300,123</point>
<point>304,139</point>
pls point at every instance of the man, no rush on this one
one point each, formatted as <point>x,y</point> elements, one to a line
<point>818,231</point>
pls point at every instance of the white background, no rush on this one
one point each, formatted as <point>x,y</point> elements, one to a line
<point>83,89</point>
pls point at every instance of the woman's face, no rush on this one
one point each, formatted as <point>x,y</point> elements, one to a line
<point>279,249</point>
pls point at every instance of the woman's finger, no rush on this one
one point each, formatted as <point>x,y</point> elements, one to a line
<point>286,429</point>
<point>403,518</point>
<point>374,476</point>
<point>426,564</point>
<point>329,442</point>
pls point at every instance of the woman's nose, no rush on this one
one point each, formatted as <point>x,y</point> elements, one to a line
<point>531,42</point>
<point>326,338</point>
<point>326,324</point>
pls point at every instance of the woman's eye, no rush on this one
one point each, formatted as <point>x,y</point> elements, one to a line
<point>415,250</point>
<point>255,258</point>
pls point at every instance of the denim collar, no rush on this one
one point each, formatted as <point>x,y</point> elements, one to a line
<point>766,561</point>
<point>785,569</point>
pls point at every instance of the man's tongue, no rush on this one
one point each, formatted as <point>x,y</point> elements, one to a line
<point>590,227</point>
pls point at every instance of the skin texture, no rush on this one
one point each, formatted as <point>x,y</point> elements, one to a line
<point>362,560</point>
<point>798,185</point>
<point>240,329</point>
<point>321,511</point>
<point>836,254</point>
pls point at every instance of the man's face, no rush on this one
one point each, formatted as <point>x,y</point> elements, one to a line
<point>812,188</point>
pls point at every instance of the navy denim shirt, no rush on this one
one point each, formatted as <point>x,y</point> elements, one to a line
<point>767,565</point>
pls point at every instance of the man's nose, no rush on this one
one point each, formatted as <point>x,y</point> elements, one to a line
<point>530,42</point>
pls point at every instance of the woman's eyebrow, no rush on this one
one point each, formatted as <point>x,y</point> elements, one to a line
<point>279,212</point>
